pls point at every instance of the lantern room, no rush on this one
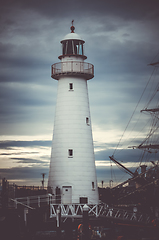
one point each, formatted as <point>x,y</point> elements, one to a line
<point>72,58</point>
<point>72,45</point>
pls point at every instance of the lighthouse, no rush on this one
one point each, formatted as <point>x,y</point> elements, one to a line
<point>72,174</point>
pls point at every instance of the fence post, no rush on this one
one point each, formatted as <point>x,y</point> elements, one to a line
<point>28,201</point>
<point>15,202</point>
<point>38,201</point>
<point>58,223</point>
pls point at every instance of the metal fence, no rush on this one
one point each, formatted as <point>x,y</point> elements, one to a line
<point>72,67</point>
<point>76,210</point>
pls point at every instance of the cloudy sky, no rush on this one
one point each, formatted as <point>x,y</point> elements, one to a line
<point>121,39</point>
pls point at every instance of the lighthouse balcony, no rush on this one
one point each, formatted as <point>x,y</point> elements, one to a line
<point>72,68</point>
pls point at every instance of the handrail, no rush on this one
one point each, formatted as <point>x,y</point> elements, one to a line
<point>76,209</point>
<point>72,68</point>
<point>98,210</point>
<point>34,200</point>
<point>17,202</point>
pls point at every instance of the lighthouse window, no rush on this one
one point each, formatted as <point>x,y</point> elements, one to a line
<point>80,49</point>
<point>87,120</point>
<point>64,49</point>
<point>70,48</point>
<point>92,185</point>
<point>70,152</point>
<point>71,86</point>
<point>73,47</point>
<point>77,49</point>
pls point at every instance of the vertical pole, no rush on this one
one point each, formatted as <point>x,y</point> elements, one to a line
<point>48,199</point>
<point>85,222</point>
<point>15,202</point>
<point>28,201</point>
<point>58,223</point>
<point>4,194</point>
<point>25,216</point>
<point>38,201</point>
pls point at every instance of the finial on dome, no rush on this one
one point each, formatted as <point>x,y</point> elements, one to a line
<point>72,27</point>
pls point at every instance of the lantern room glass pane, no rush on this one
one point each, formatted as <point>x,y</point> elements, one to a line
<point>80,49</point>
<point>74,47</point>
<point>64,48</point>
<point>70,48</point>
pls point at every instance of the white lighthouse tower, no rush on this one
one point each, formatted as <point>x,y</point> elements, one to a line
<point>72,166</point>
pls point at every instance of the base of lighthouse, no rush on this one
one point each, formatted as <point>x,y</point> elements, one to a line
<point>72,167</point>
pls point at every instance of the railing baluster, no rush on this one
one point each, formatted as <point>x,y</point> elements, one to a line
<point>28,202</point>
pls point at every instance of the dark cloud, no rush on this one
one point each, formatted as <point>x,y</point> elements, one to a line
<point>23,172</point>
<point>27,160</point>
<point>9,144</point>
<point>17,153</point>
<point>127,155</point>
<point>128,9</point>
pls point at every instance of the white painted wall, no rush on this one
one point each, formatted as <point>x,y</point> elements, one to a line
<point>72,132</point>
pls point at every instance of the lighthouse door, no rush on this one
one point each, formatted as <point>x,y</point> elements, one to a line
<point>66,194</point>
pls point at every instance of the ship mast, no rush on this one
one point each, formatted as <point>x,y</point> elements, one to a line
<point>121,165</point>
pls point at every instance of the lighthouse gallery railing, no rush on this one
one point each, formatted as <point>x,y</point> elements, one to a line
<point>72,68</point>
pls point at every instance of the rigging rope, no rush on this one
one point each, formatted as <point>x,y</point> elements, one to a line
<point>156,89</point>
<point>155,57</point>
<point>133,112</point>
